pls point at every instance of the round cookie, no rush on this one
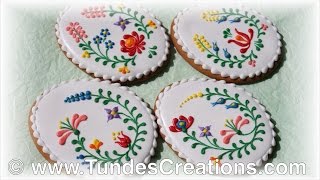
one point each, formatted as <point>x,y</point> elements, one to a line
<point>207,120</point>
<point>91,119</point>
<point>238,46</point>
<point>118,43</point>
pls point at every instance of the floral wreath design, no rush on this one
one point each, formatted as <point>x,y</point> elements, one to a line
<point>206,141</point>
<point>241,39</point>
<point>132,43</point>
<point>128,115</point>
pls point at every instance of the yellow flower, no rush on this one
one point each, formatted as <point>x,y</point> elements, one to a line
<point>210,15</point>
<point>201,42</point>
<point>151,24</point>
<point>121,6</point>
<point>124,70</point>
<point>85,54</point>
<point>215,160</point>
<point>96,144</point>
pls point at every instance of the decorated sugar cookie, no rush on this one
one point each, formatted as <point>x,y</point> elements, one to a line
<point>239,46</point>
<point>207,120</point>
<point>91,120</point>
<point>116,42</point>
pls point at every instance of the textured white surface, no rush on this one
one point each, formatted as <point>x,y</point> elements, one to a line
<point>33,62</point>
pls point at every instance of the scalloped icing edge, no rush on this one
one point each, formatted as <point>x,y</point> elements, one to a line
<point>258,163</point>
<point>53,157</point>
<point>214,71</point>
<point>106,76</point>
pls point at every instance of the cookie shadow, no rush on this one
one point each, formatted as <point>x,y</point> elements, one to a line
<point>157,156</point>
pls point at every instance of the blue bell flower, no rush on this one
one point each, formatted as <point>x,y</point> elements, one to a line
<point>226,53</point>
<point>215,47</point>
<point>235,20</point>
<point>219,101</point>
<point>222,19</point>
<point>233,105</point>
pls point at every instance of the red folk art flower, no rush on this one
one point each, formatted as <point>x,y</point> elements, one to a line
<point>132,43</point>
<point>181,124</point>
<point>235,126</point>
<point>264,27</point>
<point>76,31</point>
<point>67,128</point>
<point>242,40</point>
<point>123,141</point>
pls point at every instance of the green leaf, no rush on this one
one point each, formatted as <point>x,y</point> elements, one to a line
<point>215,60</point>
<point>97,59</point>
<point>142,124</point>
<point>105,102</point>
<point>105,63</point>
<point>83,139</point>
<point>135,13</point>
<point>143,132</point>
<point>131,128</point>
<point>126,120</point>
<point>230,156</point>
<point>153,52</point>
<point>239,154</point>
<point>223,64</point>
<point>74,141</point>
<point>231,65</point>
<point>239,65</point>
<point>111,14</point>
<point>127,158</point>
<point>78,149</point>
<point>253,16</point>
<point>81,45</point>
<point>106,153</point>
<point>96,100</point>
<point>203,150</point>
<point>193,133</point>
<point>234,145</point>
<point>253,147</point>
<point>258,116</point>
<point>194,145</point>
<point>185,139</point>
<point>149,56</point>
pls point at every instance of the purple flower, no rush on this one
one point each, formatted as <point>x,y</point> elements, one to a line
<point>112,113</point>
<point>205,131</point>
<point>122,23</point>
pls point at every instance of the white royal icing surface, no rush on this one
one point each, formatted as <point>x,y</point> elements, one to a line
<point>171,104</point>
<point>191,21</point>
<point>92,27</point>
<point>50,109</point>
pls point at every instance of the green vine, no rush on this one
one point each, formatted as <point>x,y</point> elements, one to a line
<point>239,147</point>
<point>104,56</point>
<point>132,16</point>
<point>129,116</point>
<point>228,60</point>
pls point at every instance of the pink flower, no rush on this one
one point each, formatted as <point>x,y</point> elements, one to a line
<point>235,126</point>
<point>76,31</point>
<point>264,26</point>
<point>67,128</point>
<point>252,63</point>
<point>94,12</point>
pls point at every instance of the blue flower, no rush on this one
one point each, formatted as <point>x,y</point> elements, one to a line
<point>80,156</point>
<point>104,32</point>
<point>109,44</point>
<point>82,96</point>
<point>97,39</point>
<point>222,19</point>
<point>237,19</point>
<point>215,46</point>
<point>226,53</point>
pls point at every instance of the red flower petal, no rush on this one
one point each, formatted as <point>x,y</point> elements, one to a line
<point>64,138</point>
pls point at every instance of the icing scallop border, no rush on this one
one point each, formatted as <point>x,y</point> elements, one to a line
<point>52,156</point>
<point>106,76</point>
<point>169,140</point>
<point>215,71</point>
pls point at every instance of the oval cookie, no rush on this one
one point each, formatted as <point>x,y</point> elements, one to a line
<point>118,43</point>
<point>81,120</point>
<point>207,120</point>
<point>239,46</point>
